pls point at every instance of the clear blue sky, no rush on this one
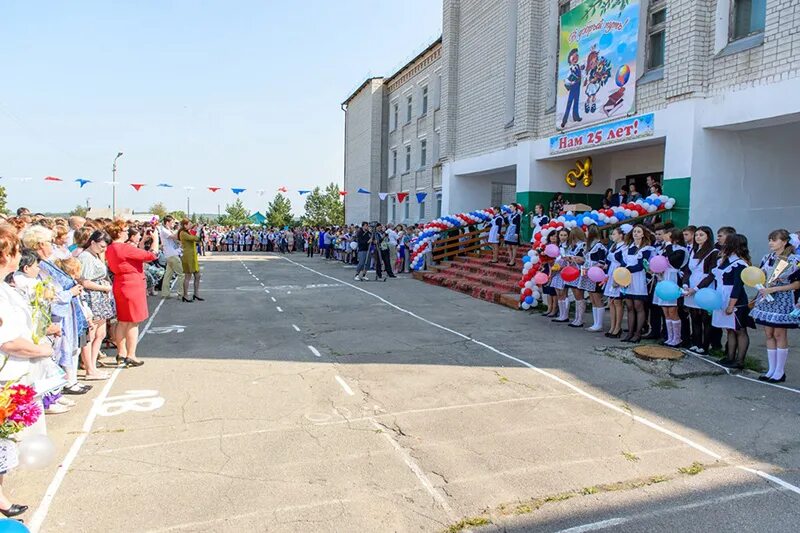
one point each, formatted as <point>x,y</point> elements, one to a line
<point>195,93</point>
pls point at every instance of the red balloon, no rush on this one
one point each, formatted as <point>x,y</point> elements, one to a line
<point>527,292</point>
<point>570,274</point>
<point>521,284</point>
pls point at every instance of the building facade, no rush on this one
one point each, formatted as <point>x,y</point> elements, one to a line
<point>698,94</point>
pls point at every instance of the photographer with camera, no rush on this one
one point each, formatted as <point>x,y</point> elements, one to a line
<point>381,242</point>
<point>363,240</point>
<point>172,251</point>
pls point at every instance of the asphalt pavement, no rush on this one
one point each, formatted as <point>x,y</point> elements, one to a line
<point>297,399</point>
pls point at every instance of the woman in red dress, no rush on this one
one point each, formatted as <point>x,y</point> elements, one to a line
<point>126,262</point>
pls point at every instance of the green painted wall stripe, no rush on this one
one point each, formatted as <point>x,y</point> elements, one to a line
<point>680,189</point>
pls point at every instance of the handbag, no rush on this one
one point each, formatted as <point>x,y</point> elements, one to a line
<point>101,303</point>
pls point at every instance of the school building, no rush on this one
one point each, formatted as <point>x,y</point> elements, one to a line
<point>699,94</point>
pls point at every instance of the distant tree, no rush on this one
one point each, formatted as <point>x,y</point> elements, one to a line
<point>79,211</point>
<point>178,215</point>
<point>279,212</point>
<point>324,208</point>
<point>235,214</point>
<point>159,209</point>
<point>3,200</point>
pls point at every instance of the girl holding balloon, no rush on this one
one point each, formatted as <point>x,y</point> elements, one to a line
<point>595,260</point>
<point>556,281</point>
<point>546,268</point>
<point>574,278</point>
<point>633,276</point>
<point>730,310</point>
<point>612,290</point>
<point>774,305</point>
<point>702,258</point>
<point>667,270</point>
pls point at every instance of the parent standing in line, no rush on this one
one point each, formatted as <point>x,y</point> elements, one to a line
<point>126,262</point>
<point>98,295</point>
<point>172,252</point>
<point>191,268</point>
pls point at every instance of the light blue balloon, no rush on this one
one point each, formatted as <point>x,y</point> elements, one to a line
<point>529,300</point>
<point>668,290</point>
<point>526,259</point>
<point>8,525</point>
<point>708,299</point>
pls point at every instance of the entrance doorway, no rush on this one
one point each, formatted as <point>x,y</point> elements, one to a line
<point>639,181</point>
<point>503,193</point>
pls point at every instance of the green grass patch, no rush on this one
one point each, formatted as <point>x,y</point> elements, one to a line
<point>473,521</point>
<point>658,479</point>
<point>559,497</point>
<point>751,363</point>
<point>693,470</point>
<point>630,456</point>
<point>589,490</point>
<point>665,384</point>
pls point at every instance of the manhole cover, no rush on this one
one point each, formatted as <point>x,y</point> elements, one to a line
<point>653,353</point>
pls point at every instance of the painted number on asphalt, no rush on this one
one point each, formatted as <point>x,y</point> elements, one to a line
<point>167,329</point>
<point>139,401</point>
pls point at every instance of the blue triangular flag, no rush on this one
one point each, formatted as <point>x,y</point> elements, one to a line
<point>82,182</point>
<point>304,192</point>
<point>238,191</point>
<point>363,191</point>
<point>421,197</point>
<point>163,185</point>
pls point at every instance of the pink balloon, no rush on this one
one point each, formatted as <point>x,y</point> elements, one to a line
<point>540,278</point>
<point>596,274</point>
<point>659,264</point>
<point>551,250</point>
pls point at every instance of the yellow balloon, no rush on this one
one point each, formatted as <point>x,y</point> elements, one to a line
<point>622,277</point>
<point>753,276</point>
<point>555,267</point>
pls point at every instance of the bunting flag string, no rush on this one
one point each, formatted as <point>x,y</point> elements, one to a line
<point>362,191</point>
<point>137,186</point>
<point>164,185</point>
<point>342,193</point>
<point>261,192</point>
<point>283,189</point>
<point>213,189</point>
<point>237,191</point>
<point>421,197</point>
<point>401,196</point>
<point>52,178</point>
<point>383,195</point>
<point>82,182</point>
<point>303,192</point>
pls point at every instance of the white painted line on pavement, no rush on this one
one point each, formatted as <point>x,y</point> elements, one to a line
<point>337,422</point>
<point>295,328</point>
<point>315,351</point>
<point>414,467</point>
<point>40,514</point>
<point>273,298</point>
<point>345,386</point>
<point>279,309</point>
<point>769,384</point>
<point>644,421</point>
<point>611,522</point>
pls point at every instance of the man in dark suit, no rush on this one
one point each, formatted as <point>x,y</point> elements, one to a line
<point>621,197</point>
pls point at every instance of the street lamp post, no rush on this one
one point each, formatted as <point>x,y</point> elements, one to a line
<point>114,186</point>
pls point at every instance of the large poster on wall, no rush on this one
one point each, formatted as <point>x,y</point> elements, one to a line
<point>598,42</point>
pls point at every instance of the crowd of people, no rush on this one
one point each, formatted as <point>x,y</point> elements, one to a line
<point>72,286</point>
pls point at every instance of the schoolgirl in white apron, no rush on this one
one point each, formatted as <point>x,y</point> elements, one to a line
<point>612,290</point>
<point>702,254</point>
<point>639,250</point>
<point>776,315</point>
<point>576,253</point>
<point>595,257</point>
<point>494,234</point>
<point>675,252</point>
<point>538,219</point>
<point>547,289</point>
<point>556,281</point>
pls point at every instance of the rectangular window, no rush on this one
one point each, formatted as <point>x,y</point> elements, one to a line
<point>408,109</point>
<point>438,205</point>
<point>394,208</point>
<point>424,100</point>
<point>394,162</point>
<point>656,33</point>
<point>422,210</point>
<point>747,17</point>
<point>423,153</point>
<point>395,115</point>
<point>407,209</point>
<point>408,157</point>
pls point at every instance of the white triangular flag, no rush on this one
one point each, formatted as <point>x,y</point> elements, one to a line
<point>383,195</point>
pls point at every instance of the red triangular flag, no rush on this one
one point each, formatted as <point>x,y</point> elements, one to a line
<point>52,178</point>
<point>137,186</point>
<point>342,193</point>
<point>283,189</point>
<point>401,196</point>
<point>214,189</point>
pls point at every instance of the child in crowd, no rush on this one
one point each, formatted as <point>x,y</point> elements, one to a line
<point>674,250</point>
<point>595,257</point>
<point>556,281</point>
<point>702,258</point>
<point>633,258</point>
<point>612,290</point>
<point>547,289</point>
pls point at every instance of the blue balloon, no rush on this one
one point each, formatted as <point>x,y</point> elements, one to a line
<point>668,290</point>
<point>526,259</point>
<point>529,300</point>
<point>8,525</point>
<point>708,299</point>
<point>656,202</point>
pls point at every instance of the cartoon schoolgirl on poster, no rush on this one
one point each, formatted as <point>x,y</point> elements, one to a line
<point>597,61</point>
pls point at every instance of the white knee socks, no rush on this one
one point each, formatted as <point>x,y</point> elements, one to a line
<point>580,308</point>
<point>597,315</point>
<point>772,356</point>
<point>782,354</point>
<point>674,332</point>
<point>563,306</point>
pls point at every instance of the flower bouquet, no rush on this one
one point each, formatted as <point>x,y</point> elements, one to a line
<point>41,300</point>
<point>18,410</point>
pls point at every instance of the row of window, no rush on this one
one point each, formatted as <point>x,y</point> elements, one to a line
<point>747,17</point>
<point>423,158</point>
<point>394,119</point>
<point>420,209</point>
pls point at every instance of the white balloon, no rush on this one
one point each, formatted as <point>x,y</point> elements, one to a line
<point>663,198</point>
<point>531,254</point>
<point>36,452</point>
<point>528,284</point>
<point>536,295</point>
<point>534,257</point>
<point>670,204</point>
<point>613,220</point>
<point>526,305</point>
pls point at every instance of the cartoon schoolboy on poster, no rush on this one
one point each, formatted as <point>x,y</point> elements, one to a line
<point>573,85</point>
